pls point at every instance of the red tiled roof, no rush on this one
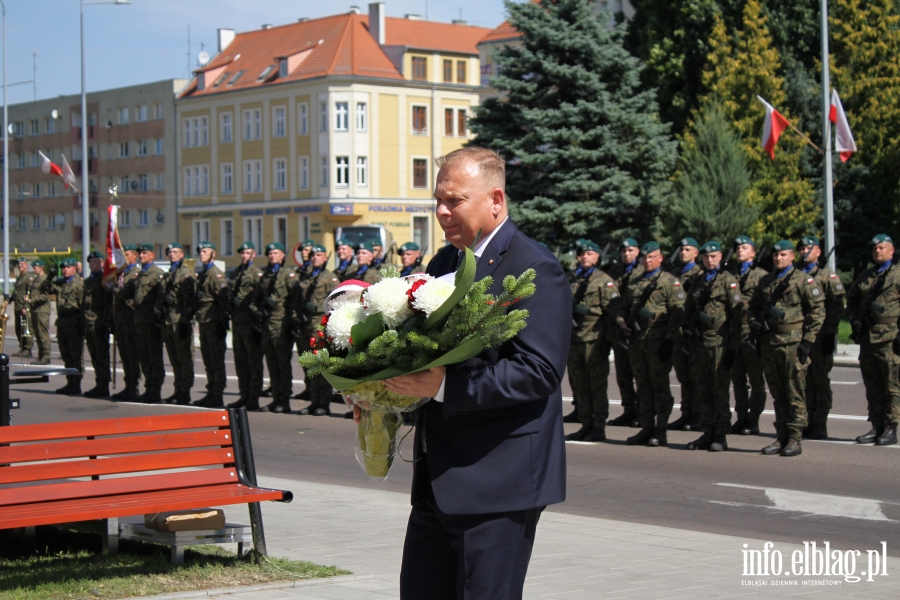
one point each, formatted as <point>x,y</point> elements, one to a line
<point>430,35</point>
<point>504,32</point>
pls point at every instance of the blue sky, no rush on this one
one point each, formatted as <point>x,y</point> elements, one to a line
<point>148,40</point>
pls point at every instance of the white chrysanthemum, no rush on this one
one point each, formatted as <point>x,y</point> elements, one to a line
<point>341,321</point>
<point>388,297</point>
<point>432,294</point>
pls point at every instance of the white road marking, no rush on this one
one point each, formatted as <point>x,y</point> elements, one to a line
<point>824,505</point>
<point>765,412</point>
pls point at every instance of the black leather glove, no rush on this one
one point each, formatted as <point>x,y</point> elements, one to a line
<point>828,343</point>
<point>855,328</point>
<point>665,350</point>
<point>728,358</point>
<point>755,327</point>
<point>185,330</point>
<point>895,345</point>
<point>580,309</point>
<point>803,351</point>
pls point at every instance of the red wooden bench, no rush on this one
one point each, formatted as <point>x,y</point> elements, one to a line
<point>55,473</point>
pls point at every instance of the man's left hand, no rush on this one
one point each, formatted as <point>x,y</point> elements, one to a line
<point>425,384</point>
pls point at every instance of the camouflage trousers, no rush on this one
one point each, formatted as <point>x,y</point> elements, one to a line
<point>682,363</point>
<point>96,338</point>
<point>818,386</point>
<point>589,376</point>
<point>879,364</point>
<point>248,359</point>
<point>212,349</point>
<point>711,380</point>
<point>181,356</point>
<point>278,348</point>
<point>150,353</point>
<point>127,343</point>
<point>24,343</point>
<point>787,383</point>
<point>654,396</point>
<point>40,331</point>
<point>748,405</point>
<point>625,379</point>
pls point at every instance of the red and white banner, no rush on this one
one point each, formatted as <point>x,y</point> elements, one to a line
<point>67,175</point>
<point>843,139</point>
<point>115,257</point>
<point>772,128</point>
<point>48,167</point>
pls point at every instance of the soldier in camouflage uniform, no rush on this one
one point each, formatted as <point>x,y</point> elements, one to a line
<point>785,316</point>
<point>818,380</point>
<point>97,316</point>
<point>873,306</point>
<point>212,317</point>
<point>20,307</point>
<point>306,256</point>
<point>649,321</point>
<point>410,259</point>
<point>69,291</point>
<point>595,304</point>
<point>176,304</point>
<point>39,303</point>
<point>686,272</point>
<point>364,270</point>
<point>627,271</point>
<point>273,299</point>
<point>148,322</point>
<point>123,321</point>
<point>749,401</point>
<point>246,340</point>
<point>308,310</point>
<point>345,259</point>
<point>714,319</point>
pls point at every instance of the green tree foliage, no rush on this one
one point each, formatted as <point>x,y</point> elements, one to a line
<point>587,154</point>
<point>711,190</point>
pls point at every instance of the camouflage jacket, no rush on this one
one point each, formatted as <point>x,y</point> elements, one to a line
<point>748,282</point>
<point>798,313</point>
<point>97,301</point>
<point>412,270</point>
<point>39,296</point>
<point>687,277</point>
<point>273,294</point>
<point>342,274</point>
<point>716,319</point>
<point>879,314</point>
<point>244,281</point>
<point>212,295</point>
<point>309,298</point>
<point>147,289</point>
<point>123,294</point>
<point>69,300</point>
<point>23,285</point>
<point>596,303</point>
<point>370,275</point>
<point>662,313</point>
<point>834,291</point>
<point>623,279</point>
<point>176,299</point>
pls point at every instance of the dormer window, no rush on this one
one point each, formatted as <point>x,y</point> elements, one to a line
<point>283,67</point>
<point>221,79</point>
<point>266,72</point>
<point>236,77</point>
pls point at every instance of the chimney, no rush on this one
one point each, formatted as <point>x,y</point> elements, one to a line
<point>376,21</point>
<point>226,36</point>
<point>354,10</point>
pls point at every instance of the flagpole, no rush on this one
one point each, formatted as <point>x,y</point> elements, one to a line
<point>827,182</point>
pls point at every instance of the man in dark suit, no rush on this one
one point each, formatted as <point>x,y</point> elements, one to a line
<point>490,449</point>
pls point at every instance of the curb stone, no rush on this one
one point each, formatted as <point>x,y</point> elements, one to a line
<point>298,583</point>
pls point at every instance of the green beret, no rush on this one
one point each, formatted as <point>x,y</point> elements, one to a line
<point>146,248</point>
<point>205,244</point>
<point>628,243</point>
<point>274,246</point>
<point>579,243</point>
<point>132,247</point>
<point>96,254</point>
<point>319,248</point>
<point>809,240</point>
<point>307,243</point>
<point>38,262</point>
<point>743,239</point>
<point>881,238</point>
<point>343,242</point>
<point>649,247</point>
<point>409,246</point>
<point>23,259</point>
<point>67,262</point>
<point>174,245</point>
<point>689,241</point>
<point>246,246</point>
<point>364,246</point>
<point>782,245</point>
<point>589,245</point>
<point>711,246</point>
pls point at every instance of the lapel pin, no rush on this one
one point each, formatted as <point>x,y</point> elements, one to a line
<point>491,261</point>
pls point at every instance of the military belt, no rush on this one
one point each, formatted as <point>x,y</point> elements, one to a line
<point>884,320</point>
<point>785,327</point>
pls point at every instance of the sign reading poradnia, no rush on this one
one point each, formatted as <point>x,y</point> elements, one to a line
<point>814,565</point>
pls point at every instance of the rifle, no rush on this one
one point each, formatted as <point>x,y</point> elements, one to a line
<point>827,256</point>
<point>769,310</point>
<point>603,255</point>
<point>671,261</point>
<point>700,313</point>
<point>637,309</point>
<point>863,315</point>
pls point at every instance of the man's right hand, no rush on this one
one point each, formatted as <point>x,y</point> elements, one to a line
<point>755,327</point>
<point>625,329</point>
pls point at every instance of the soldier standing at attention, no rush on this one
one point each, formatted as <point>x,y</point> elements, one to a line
<point>177,308</point>
<point>785,314</point>
<point>69,291</point>
<point>345,259</point>
<point>686,273</point>
<point>873,305</point>
<point>649,320</point>
<point>749,400</point>
<point>97,316</point>
<point>20,292</point>
<point>245,339</point>
<point>714,319</point>
<point>39,302</point>
<point>818,380</point>
<point>305,252</point>
<point>148,323</point>
<point>212,318</point>
<point>309,308</point>
<point>364,270</point>
<point>595,304</point>
<point>126,333</point>
<point>272,298</point>
<point>625,273</point>
<point>410,259</point>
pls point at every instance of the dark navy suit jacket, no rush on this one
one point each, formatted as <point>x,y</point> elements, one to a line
<point>496,442</point>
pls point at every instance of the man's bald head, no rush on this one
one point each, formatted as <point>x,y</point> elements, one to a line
<point>486,163</point>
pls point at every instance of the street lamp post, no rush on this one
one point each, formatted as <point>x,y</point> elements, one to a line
<point>5,167</point>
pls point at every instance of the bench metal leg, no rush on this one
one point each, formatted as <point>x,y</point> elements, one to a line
<point>177,555</point>
<point>28,534</point>
<point>257,530</point>
<point>110,533</point>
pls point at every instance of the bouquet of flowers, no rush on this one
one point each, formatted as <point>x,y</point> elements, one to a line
<point>403,325</point>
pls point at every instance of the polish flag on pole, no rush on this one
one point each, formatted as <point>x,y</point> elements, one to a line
<point>115,257</point>
<point>48,167</point>
<point>843,140</point>
<point>774,125</point>
<point>68,176</point>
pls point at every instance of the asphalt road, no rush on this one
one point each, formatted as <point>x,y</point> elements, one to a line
<point>836,490</point>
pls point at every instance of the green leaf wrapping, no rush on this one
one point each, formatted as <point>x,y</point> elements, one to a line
<point>367,330</point>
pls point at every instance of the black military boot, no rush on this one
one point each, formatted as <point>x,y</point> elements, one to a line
<point>749,428</point>
<point>792,448</point>
<point>659,438</point>
<point>703,442</point>
<point>183,399</point>
<point>775,447</point>
<point>623,420</point>
<point>641,437</point>
<point>239,403</point>
<point>738,426</point>
<point>215,401</point>
<point>869,436</point>
<point>887,438</point>
<point>150,397</point>
<point>171,399</point>
<point>281,407</point>
<point>266,393</point>
<point>202,401</point>
<point>597,434</point>
<point>818,432</point>
<point>719,443</point>
<point>304,395</point>
<point>97,392</point>
<point>578,436</point>
<point>572,417</point>
<point>678,423</point>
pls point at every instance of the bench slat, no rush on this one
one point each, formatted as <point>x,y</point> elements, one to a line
<point>72,490</point>
<point>118,445</point>
<point>82,429</point>
<point>71,511</point>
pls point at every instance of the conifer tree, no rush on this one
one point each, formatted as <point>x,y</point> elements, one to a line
<point>586,152</point>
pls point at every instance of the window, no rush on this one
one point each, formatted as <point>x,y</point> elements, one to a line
<point>51,188</point>
<point>143,183</point>
<point>19,130</point>
<point>36,221</point>
<point>124,184</point>
<point>362,173</point>
<point>448,71</point>
<point>419,68</point>
<point>23,191</point>
<point>226,184</point>
<point>460,71</point>
<point>227,237</point>
<point>323,181</point>
<point>204,131</point>
<point>420,120</point>
<point>37,190</point>
<point>157,110</point>
<point>35,159</point>
<point>281,230</point>
<point>283,68</point>
<point>343,171</point>
<point>33,126</point>
<point>278,125</point>
<point>303,172</point>
<point>225,127</point>
<point>20,160</point>
<point>221,79</point>
<point>361,116</point>
<point>187,133</point>
<point>253,231</point>
<point>123,116</point>
<point>158,145</point>
<point>123,149</point>
<point>340,116</point>
<point>252,176</point>
<point>304,227</point>
<point>51,221</point>
<point>143,217</point>
<point>252,124</point>
<point>421,230</point>
<point>142,146</point>
<point>302,118</point>
<point>461,123</point>
<point>21,223</point>
<point>420,173</point>
<point>200,230</point>
<point>196,132</point>
<point>280,175</point>
<point>159,181</point>
<point>196,180</point>
<point>236,77</point>
<point>448,121</point>
<point>141,113</point>
<point>323,112</point>
<point>49,125</point>
<point>124,218</point>
<point>265,73</point>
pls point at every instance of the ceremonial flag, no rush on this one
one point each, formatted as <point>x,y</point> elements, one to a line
<point>843,139</point>
<point>774,125</point>
<point>68,175</point>
<point>48,167</point>
<point>115,257</point>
